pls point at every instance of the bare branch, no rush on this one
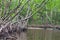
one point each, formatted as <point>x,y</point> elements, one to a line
<point>34,12</point>
<point>19,11</point>
<point>42,5</point>
<point>13,10</point>
<point>4,26</point>
<point>7,5</point>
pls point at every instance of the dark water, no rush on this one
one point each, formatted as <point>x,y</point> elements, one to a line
<point>43,35</point>
<point>40,35</point>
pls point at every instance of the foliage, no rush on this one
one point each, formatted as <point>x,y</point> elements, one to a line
<point>51,5</point>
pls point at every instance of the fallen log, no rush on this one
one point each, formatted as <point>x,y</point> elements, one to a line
<point>44,26</point>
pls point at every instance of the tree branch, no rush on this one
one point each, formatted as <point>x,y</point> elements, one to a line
<point>41,6</point>
<point>7,5</point>
<point>13,10</point>
<point>18,11</point>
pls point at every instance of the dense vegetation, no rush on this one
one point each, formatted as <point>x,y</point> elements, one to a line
<point>42,10</point>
